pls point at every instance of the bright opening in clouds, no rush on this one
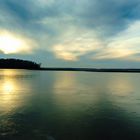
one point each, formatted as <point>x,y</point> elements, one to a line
<point>75,33</point>
<point>12,43</point>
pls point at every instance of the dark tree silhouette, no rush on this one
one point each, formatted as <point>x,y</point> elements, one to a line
<point>18,64</point>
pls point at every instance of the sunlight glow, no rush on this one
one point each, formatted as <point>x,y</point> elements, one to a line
<point>13,43</point>
<point>8,87</point>
<point>7,84</point>
<point>12,84</point>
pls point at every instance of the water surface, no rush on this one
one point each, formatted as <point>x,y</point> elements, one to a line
<point>42,105</point>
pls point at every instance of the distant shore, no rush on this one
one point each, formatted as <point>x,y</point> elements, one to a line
<point>82,69</point>
<point>92,70</point>
<point>13,63</point>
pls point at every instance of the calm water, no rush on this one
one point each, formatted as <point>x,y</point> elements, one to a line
<point>37,105</point>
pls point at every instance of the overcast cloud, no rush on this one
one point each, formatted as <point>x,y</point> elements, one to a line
<point>83,32</point>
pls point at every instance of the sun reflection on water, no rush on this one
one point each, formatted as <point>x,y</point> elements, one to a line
<point>8,87</point>
<point>13,89</point>
<point>9,84</point>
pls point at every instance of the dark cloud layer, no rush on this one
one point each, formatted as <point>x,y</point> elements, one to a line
<point>108,15</point>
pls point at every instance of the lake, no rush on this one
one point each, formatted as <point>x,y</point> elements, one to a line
<point>45,105</point>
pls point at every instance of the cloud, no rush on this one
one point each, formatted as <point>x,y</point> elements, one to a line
<point>90,14</point>
<point>14,43</point>
<point>125,45</point>
<point>76,43</point>
<point>84,13</point>
<point>77,29</point>
<point>108,15</point>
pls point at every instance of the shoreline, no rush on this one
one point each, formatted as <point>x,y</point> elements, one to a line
<point>92,70</point>
<point>83,69</point>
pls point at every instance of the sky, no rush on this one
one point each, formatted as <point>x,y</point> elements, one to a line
<point>72,33</point>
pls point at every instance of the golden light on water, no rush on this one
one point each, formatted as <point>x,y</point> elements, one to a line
<point>120,86</point>
<point>8,87</point>
<point>9,94</point>
<point>13,43</point>
<point>11,88</point>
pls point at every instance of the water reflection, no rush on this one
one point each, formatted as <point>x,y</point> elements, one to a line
<point>12,90</point>
<point>65,83</point>
<point>8,87</point>
<point>96,106</point>
<point>68,106</point>
<point>71,95</point>
<point>120,86</point>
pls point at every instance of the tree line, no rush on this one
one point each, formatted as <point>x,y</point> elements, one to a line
<point>18,64</point>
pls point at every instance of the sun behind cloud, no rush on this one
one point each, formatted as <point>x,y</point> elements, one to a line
<point>12,43</point>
